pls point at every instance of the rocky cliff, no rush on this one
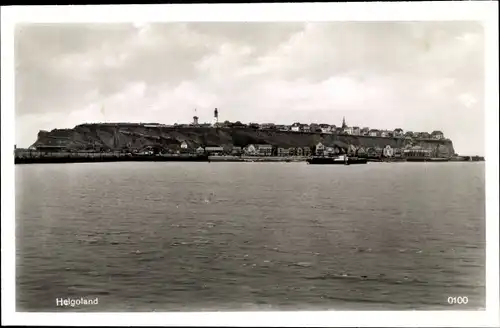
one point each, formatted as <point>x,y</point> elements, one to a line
<point>138,136</point>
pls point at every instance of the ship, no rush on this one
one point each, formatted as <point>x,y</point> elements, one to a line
<point>340,160</point>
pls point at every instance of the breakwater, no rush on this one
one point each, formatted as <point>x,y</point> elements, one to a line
<point>104,157</point>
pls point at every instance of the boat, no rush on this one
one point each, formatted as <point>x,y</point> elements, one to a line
<point>427,159</point>
<point>340,160</point>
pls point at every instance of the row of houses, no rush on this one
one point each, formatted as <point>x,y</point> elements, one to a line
<point>387,151</point>
<point>296,127</point>
<point>365,131</point>
<point>251,150</point>
<point>333,129</point>
<point>319,150</point>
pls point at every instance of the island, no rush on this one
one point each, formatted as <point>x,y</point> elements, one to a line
<point>234,141</point>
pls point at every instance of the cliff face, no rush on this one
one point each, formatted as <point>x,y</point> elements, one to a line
<point>135,136</point>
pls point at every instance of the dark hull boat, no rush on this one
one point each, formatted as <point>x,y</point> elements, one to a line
<point>427,159</point>
<point>337,161</point>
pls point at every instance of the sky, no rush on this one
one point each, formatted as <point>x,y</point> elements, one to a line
<point>418,76</point>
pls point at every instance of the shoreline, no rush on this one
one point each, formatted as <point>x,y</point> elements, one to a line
<point>62,158</point>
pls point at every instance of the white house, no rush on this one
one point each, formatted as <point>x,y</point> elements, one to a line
<point>320,148</point>
<point>325,128</point>
<point>356,130</point>
<point>373,133</point>
<point>388,151</point>
<point>329,150</point>
<point>384,134</point>
<point>184,145</point>
<point>348,130</point>
<point>295,127</point>
<point>259,150</point>
<point>251,150</point>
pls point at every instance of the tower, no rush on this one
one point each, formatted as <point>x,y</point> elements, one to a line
<point>343,123</point>
<point>195,117</point>
<point>216,116</point>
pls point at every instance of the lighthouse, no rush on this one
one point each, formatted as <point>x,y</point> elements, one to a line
<point>216,117</point>
<point>195,117</point>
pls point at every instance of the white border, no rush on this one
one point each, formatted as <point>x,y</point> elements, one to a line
<point>486,12</point>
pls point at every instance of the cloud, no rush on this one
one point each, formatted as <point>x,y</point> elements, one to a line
<point>415,75</point>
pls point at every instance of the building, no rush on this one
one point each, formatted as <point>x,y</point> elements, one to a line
<point>50,148</point>
<point>184,145</point>
<point>250,150</point>
<point>409,134</point>
<point>283,152</point>
<point>263,150</point>
<point>236,150</point>
<point>364,131</point>
<point>195,120</point>
<point>305,128</point>
<point>216,117</point>
<point>398,132</point>
<point>329,151</point>
<point>295,127</point>
<point>314,127</point>
<point>398,152</point>
<point>299,151</point>
<point>348,130</point>
<point>388,151</point>
<point>325,128</point>
<point>437,135</point>
<point>267,126</point>
<point>344,125</point>
<point>320,149</point>
<point>307,151</point>
<point>361,151</point>
<point>200,150</point>
<point>356,130</point>
<point>417,151</point>
<point>214,150</point>
<point>424,135</point>
<point>374,133</point>
<point>384,134</point>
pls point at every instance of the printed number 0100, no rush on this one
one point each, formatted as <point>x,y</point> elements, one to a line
<point>458,300</point>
